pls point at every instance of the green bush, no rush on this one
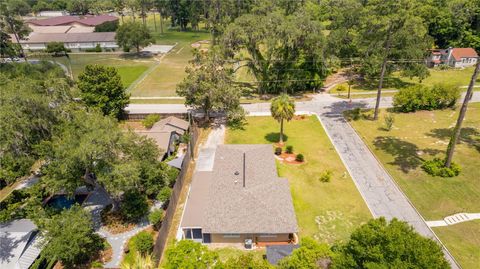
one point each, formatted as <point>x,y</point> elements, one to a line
<point>164,194</point>
<point>150,120</point>
<point>278,151</point>
<point>389,120</point>
<point>96,49</point>
<point>436,167</point>
<point>289,149</point>
<point>326,176</point>
<point>420,97</point>
<point>134,205</point>
<point>143,242</point>
<point>156,217</point>
<point>300,158</point>
<point>341,88</point>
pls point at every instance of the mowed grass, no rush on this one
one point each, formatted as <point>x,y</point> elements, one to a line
<point>129,67</point>
<point>463,241</point>
<point>457,77</point>
<point>422,136</point>
<point>227,253</point>
<point>328,212</point>
<point>162,81</point>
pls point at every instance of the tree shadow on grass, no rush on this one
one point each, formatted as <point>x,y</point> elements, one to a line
<point>468,135</point>
<point>275,137</point>
<point>406,154</point>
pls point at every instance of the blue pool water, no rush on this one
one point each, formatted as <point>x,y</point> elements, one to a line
<point>63,202</point>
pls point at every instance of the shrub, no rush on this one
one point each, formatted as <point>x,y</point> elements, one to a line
<point>436,167</point>
<point>143,242</point>
<point>341,88</point>
<point>424,98</point>
<point>289,149</point>
<point>96,49</point>
<point>156,217</point>
<point>150,120</point>
<point>299,158</point>
<point>354,114</point>
<point>164,194</point>
<point>326,176</point>
<point>278,151</point>
<point>134,205</point>
<point>389,120</point>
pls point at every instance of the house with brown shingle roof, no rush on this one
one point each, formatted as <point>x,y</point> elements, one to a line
<point>241,201</point>
<point>166,133</point>
<point>453,57</point>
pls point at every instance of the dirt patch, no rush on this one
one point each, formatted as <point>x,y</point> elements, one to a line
<point>114,223</point>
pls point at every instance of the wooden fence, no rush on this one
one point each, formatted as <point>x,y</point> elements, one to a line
<point>167,222</point>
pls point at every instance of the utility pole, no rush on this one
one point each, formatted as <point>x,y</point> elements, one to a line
<point>461,116</point>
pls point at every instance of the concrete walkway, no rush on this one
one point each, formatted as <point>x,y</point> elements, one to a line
<point>454,219</point>
<point>206,154</point>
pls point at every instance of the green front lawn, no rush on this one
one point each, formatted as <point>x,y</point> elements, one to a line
<point>463,241</point>
<point>326,211</point>
<point>421,136</point>
<point>459,77</point>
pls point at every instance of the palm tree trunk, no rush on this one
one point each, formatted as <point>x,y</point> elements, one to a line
<point>461,116</point>
<point>281,131</point>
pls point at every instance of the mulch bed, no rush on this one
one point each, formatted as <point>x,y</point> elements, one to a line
<point>113,223</point>
<point>288,158</point>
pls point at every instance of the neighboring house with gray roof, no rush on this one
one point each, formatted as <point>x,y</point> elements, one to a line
<point>241,199</point>
<point>166,133</point>
<point>18,244</point>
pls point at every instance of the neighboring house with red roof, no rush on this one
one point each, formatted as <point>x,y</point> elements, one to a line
<point>454,57</point>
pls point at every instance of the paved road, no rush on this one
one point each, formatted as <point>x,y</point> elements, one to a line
<point>376,186</point>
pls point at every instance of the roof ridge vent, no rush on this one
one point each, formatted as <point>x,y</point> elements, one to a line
<point>244,169</point>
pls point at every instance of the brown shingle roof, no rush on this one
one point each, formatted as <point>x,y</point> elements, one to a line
<point>262,205</point>
<point>172,124</point>
<point>162,139</point>
<point>459,53</point>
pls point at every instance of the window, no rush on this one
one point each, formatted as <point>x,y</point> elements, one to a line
<point>231,235</point>
<point>268,235</point>
<point>188,233</point>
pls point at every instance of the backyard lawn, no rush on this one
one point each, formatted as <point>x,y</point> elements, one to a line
<point>420,136</point>
<point>326,211</point>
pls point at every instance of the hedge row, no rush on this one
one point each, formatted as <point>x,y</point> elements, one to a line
<point>426,98</point>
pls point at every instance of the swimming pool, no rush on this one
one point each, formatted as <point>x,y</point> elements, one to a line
<point>64,202</point>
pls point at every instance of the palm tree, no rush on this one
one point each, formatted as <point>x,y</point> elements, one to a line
<point>282,108</point>
<point>461,116</point>
<point>139,262</point>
